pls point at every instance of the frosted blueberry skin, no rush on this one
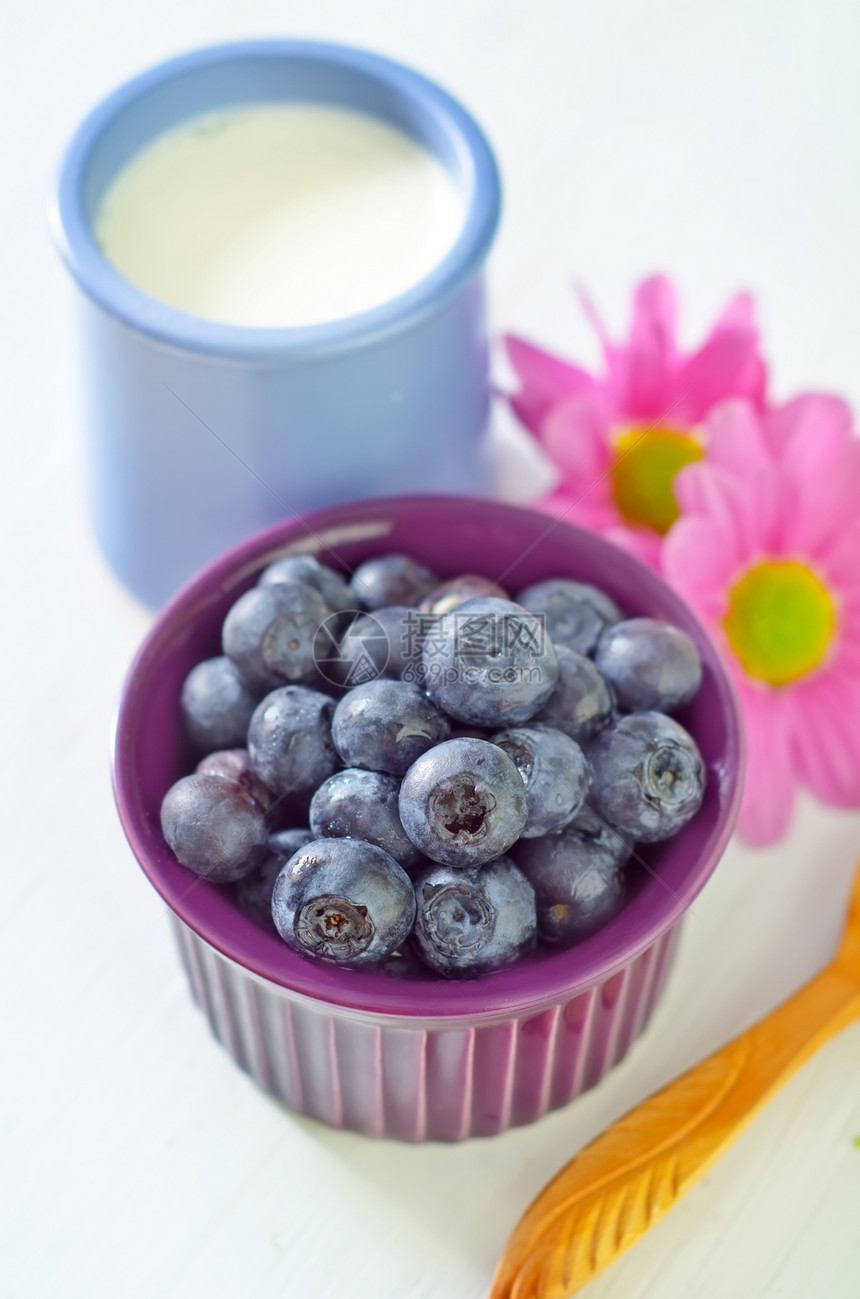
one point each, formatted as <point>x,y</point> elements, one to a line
<point>254,891</point>
<point>235,764</point>
<point>214,827</point>
<point>555,773</point>
<point>290,742</point>
<point>216,705</point>
<point>582,702</point>
<point>274,634</point>
<point>385,725</point>
<point>578,884</point>
<point>308,569</point>
<point>648,776</point>
<point>364,805</point>
<point>463,803</point>
<point>469,586</point>
<point>588,825</point>
<point>575,612</point>
<point>489,663</point>
<point>386,643</point>
<point>281,810</point>
<point>343,901</point>
<point>288,842</point>
<point>472,922</point>
<point>391,579</point>
<point>650,663</point>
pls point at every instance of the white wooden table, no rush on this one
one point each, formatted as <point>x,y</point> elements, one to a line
<point>721,144</point>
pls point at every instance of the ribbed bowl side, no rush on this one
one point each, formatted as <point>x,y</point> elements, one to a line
<point>415,1081</point>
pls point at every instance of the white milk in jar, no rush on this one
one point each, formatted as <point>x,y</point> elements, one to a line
<point>279,214</point>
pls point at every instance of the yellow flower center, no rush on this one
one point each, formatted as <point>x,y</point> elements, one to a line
<point>780,621</point>
<point>643,475</point>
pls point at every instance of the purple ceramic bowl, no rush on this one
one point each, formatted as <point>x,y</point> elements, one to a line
<point>421,1059</point>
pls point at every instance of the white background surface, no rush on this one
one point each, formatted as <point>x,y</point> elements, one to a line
<point>721,144</point>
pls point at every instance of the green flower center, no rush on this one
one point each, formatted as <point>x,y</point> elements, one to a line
<point>643,475</point>
<point>780,621</point>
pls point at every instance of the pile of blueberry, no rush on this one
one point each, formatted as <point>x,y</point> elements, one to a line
<point>404,774</point>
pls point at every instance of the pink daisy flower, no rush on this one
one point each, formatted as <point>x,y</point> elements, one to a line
<point>619,438</point>
<point>767,551</point>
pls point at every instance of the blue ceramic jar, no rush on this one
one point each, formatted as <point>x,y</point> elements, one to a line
<point>200,433</point>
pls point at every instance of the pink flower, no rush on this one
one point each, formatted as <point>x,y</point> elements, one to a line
<point>767,551</point>
<point>619,438</point>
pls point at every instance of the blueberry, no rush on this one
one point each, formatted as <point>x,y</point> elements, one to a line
<point>308,569</point>
<point>364,805</point>
<point>489,663</point>
<point>469,586</point>
<point>214,827</point>
<point>235,764</point>
<point>463,803</point>
<point>289,739</point>
<point>385,725</point>
<point>391,579</point>
<point>650,663</point>
<point>582,702</point>
<point>386,643</point>
<point>254,892</point>
<point>343,901</point>
<point>216,705</point>
<point>288,842</point>
<point>273,634</point>
<point>575,613</point>
<point>648,776</point>
<point>590,826</point>
<point>554,771</point>
<point>578,884</point>
<point>471,922</point>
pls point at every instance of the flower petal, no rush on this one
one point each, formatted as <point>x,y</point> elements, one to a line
<point>737,314</point>
<point>575,435</point>
<point>755,508</point>
<point>610,349</point>
<point>769,787</point>
<point>699,559</point>
<point>824,524</point>
<point>642,543</point>
<point>559,502</point>
<point>595,515</point>
<point>736,438</point>
<point>726,366</point>
<point>751,381</point>
<point>544,380</point>
<point>826,736</point>
<point>642,372</point>
<point>808,432</point>
<point>840,569</point>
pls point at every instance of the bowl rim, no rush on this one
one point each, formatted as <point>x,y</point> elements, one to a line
<point>106,286</point>
<point>550,979</point>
